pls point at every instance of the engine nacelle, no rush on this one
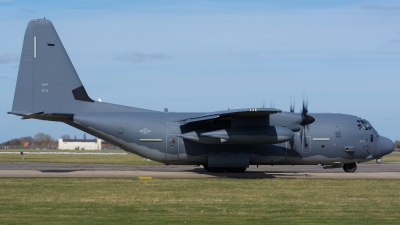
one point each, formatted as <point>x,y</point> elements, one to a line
<point>252,135</point>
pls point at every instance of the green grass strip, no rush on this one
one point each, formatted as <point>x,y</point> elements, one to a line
<point>199,201</point>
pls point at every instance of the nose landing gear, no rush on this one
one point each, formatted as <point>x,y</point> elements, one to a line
<point>379,160</point>
<point>350,167</point>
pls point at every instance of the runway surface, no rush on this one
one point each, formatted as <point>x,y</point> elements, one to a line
<point>64,170</point>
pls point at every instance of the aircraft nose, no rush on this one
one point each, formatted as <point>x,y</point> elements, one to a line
<point>384,147</point>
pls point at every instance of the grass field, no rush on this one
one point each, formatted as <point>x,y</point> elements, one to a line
<point>96,159</point>
<point>192,201</point>
<point>199,201</point>
<point>393,157</point>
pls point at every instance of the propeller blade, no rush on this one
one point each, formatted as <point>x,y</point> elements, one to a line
<point>291,142</point>
<point>292,105</point>
<point>306,120</point>
<point>301,135</point>
<point>304,111</point>
<point>305,137</point>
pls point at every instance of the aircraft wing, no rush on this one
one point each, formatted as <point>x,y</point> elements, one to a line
<point>248,112</point>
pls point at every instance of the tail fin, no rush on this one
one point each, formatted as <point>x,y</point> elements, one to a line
<point>47,81</point>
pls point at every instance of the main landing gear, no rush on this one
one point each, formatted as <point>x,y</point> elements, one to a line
<point>350,167</point>
<point>222,169</point>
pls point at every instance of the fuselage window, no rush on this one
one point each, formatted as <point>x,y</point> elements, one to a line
<point>369,126</point>
<point>360,125</point>
<point>364,125</point>
<point>172,142</point>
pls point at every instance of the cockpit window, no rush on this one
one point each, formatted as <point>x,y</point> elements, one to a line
<point>364,125</point>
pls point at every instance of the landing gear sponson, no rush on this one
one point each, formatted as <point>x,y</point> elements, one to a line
<point>222,169</point>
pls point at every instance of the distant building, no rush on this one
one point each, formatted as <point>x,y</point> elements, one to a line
<point>106,145</point>
<point>79,144</point>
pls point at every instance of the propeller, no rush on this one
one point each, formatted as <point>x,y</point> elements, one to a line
<point>305,121</point>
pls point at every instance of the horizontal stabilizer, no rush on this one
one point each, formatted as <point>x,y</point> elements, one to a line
<point>43,116</point>
<point>20,113</point>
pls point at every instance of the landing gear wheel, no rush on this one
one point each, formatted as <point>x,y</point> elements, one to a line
<point>236,169</point>
<point>350,167</point>
<point>217,169</point>
<point>206,168</point>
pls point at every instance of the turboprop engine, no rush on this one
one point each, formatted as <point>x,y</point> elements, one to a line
<point>243,135</point>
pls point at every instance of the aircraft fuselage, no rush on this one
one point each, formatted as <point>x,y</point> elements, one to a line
<point>331,139</point>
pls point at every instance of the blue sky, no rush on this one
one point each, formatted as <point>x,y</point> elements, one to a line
<point>212,55</point>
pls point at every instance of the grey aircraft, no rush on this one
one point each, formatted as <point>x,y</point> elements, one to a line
<point>48,88</point>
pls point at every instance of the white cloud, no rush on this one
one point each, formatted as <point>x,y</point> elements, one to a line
<point>8,58</point>
<point>394,41</point>
<point>26,11</point>
<point>381,7</point>
<point>141,57</point>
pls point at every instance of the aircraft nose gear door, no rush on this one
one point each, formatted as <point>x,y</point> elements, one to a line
<point>172,148</point>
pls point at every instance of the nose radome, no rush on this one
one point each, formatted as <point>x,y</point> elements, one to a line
<point>384,147</point>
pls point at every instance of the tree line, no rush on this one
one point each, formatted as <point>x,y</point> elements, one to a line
<point>38,140</point>
<point>397,145</point>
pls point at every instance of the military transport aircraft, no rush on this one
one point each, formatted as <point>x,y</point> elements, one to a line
<point>48,88</point>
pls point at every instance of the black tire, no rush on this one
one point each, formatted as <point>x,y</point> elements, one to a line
<point>236,169</point>
<point>350,167</point>
<point>217,169</point>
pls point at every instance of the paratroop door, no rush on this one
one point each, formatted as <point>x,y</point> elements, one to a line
<point>172,147</point>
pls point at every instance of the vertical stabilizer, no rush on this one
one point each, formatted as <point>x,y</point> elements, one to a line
<point>47,81</point>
